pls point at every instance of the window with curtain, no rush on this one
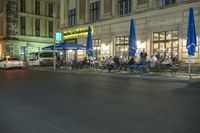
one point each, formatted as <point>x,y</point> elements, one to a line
<point>124,7</point>
<point>37,27</point>
<point>51,29</point>
<point>72,17</point>
<point>168,2</point>
<point>50,10</point>
<point>22,5</point>
<point>94,11</point>
<point>22,25</point>
<point>37,7</point>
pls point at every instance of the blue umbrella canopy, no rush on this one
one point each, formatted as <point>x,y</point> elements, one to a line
<point>65,46</point>
<point>191,34</point>
<point>51,47</point>
<point>89,43</point>
<point>69,46</point>
<point>132,39</point>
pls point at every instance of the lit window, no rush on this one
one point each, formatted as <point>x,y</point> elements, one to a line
<point>121,49</point>
<point>97,48</point>
<point>166,43</point>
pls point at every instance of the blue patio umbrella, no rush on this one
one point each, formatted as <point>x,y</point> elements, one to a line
<point>69,46</point>
<point>65,46</point>
<point>51,47</point>
<point>191,34</point>
<point>89,48</point>
<point>191,37</point>
<point>132,39</point>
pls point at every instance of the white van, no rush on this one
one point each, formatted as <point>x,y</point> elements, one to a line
<point>43,58</point>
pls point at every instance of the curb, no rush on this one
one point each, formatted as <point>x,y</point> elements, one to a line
<point>157,77</point>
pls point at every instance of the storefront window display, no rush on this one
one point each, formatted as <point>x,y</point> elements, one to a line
<point>105,50</point>
<point>166,43</point>
<point>97,48</point>
<point>121,49</point>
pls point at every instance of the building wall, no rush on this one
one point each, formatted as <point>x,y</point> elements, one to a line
<point>29,40</point>
<point>148,17</point>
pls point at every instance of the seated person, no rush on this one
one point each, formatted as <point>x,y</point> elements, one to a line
<point>132,63</point>
<point>110,64</point>
<point>153,61</point>
<point>75,63</point>
<point>117,62</point>
<point>84,62</point>
<point>167,61</point>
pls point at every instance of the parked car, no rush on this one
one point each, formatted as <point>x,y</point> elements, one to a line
<point>11,63</point>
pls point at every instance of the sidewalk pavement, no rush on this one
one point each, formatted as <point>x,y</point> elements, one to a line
<point>174,77</point>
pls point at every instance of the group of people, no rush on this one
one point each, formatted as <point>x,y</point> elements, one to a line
<point>163,60</point>
<point>134,63</point>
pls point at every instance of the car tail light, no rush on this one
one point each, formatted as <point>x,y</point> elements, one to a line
<point>9,62</point>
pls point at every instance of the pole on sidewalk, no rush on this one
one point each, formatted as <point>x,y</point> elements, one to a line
<point>54,52</point>
<point>190,67</point>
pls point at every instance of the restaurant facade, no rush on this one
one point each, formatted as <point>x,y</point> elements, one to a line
<point>161,26</point>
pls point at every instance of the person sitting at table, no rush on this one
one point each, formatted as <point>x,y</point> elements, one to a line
<point>153,61</point>
<point>167,61</point>
<point>75,63</point>
<point>110,63</point>
<point>133,63</point>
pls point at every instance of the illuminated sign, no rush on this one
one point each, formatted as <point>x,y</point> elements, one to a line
<point>75,33</point>
<point>58,37</point>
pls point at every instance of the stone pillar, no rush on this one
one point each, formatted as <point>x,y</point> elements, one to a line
<point>101,9</point>
<point>133,6</point>
<point>114,8</point>
<point>87,11</point>
<point>66,12</point>
<point>77,11</point>
<point>62,13</point>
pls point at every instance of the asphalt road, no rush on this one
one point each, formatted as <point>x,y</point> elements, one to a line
<point>49,102</point>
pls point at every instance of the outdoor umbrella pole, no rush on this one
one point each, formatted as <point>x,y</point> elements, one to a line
<point>54,62</point>
<point>190,67</point>
<point>191,38</point>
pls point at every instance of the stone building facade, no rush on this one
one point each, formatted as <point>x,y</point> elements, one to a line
<point>161,25</point>
<point>27,26</point>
